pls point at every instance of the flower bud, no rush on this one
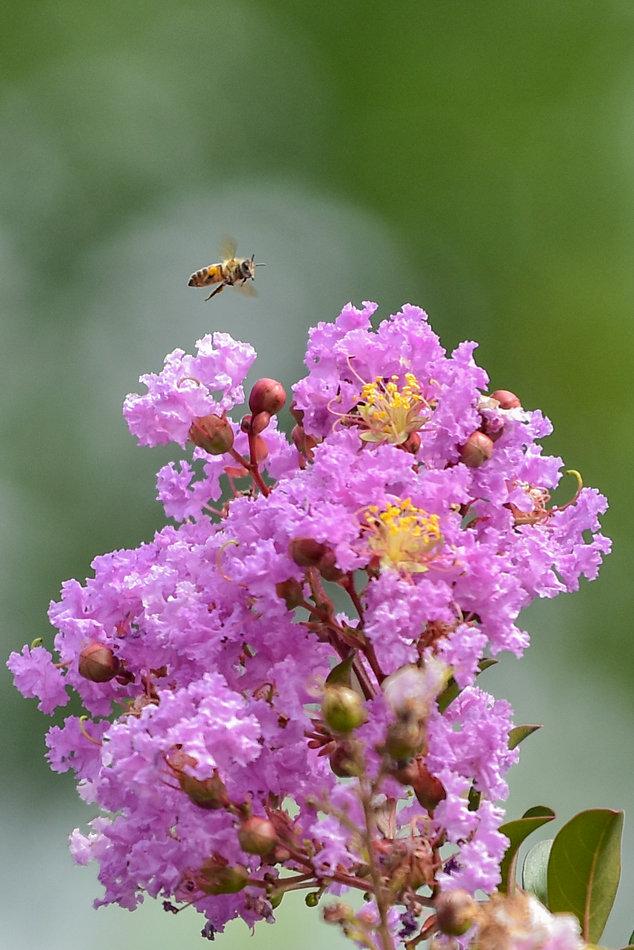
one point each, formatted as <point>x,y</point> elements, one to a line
<point>290,592</point>
<point>456,912</point>
<point>268,395</point>
<point>342,708</point>
<point>209,793</point>
<point>428,789</point>
<point>98,663</point>
<point>306,552</point>
<point>217,877</point>
<point>312,899</point>
<point>259,422</point>
<point>405,738</point>
<point>477,449</point>
<point>506,399</point>
<point>245,422</point>
<point>257,835</point>
<point>327,567</point>
<point>212,433</point>
<point>346,761</point>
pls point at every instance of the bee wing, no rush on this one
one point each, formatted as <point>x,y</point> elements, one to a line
<point>248,290</point>
<point>228,248</point>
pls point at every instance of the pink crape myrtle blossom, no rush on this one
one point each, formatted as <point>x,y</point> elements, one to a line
<point>280,687</point>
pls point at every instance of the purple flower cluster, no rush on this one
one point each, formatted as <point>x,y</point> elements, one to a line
<point>281,688</point>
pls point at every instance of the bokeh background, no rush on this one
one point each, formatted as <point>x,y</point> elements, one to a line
<point>472,157</point>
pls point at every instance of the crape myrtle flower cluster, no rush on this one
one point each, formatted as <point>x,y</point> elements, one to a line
<point>281,688</point>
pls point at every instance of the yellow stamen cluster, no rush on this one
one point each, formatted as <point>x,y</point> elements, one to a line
<point>389,413</point>
<point>402,536</point>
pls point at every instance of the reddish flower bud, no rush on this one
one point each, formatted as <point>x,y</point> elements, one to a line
<point>268,395</point>
<point>297,414</point>
<point>212,433</point>
<point>506,399</point>
<point>257,836</point>
<point>290,592</point>
<point>306,552</point>
<point>456,912</point>
<point>477,449</point>
<point>245,422</point>
<point>259,422</point>
<point>428,789</point>
<point>98,663</point>
<point>342,708</point>
<point>328,567</point>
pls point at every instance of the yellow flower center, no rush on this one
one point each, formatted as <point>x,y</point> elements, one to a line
<point>389,413</point>
<point>402,536</point>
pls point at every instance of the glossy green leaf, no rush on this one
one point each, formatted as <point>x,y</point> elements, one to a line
<point>584,868</point>
<point>452,689</point>
<point>535,870</point>
<point>516,831</point>
<point>519,733</point>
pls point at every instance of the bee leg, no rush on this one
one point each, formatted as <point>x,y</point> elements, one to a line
<point>216,291</point>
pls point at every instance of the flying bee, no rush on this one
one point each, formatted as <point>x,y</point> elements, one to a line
<point>230,271</point>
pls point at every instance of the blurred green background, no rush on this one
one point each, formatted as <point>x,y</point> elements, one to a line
<point>472,157</point>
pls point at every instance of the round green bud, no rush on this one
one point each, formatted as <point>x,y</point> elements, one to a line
<point>216,879</point>
<point>342,708</point>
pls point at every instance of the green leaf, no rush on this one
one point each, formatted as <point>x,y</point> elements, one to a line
<point>519,733</point>
<point>516,831</point>
<point>584,868</point>
<point>535,870</point>
<point>340,674</point>
<point>452,689</point>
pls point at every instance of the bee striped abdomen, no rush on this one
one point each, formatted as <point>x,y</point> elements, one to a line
<point>206,276</point>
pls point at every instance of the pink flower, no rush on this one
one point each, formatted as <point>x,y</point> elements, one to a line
<point>183,390</point>
<point>372,541</point>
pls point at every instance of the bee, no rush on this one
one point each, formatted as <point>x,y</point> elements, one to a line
<point>230,271</point>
